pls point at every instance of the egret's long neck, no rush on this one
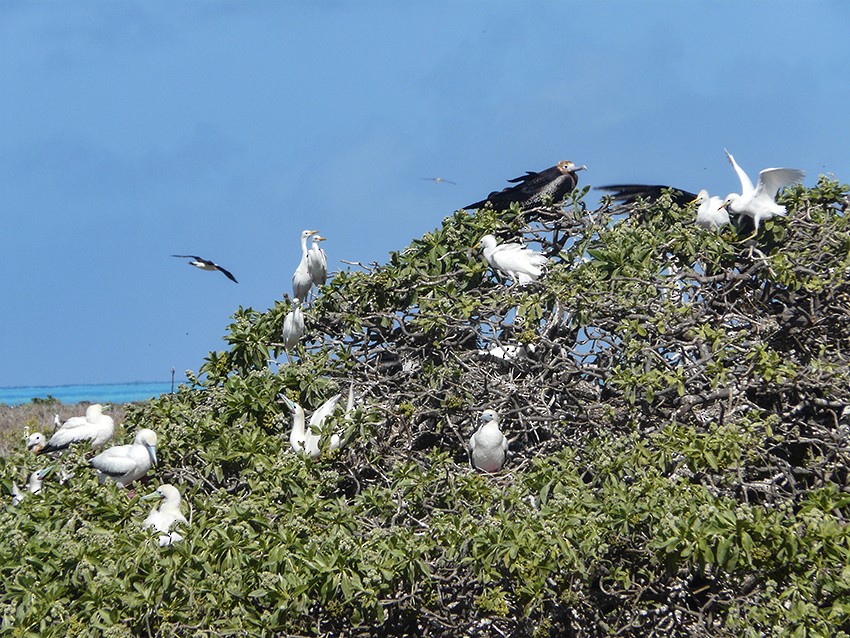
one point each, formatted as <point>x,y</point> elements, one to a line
<point>303,246</point>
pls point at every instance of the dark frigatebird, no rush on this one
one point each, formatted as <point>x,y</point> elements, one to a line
<point>206,264</point>
<point>532,189</point>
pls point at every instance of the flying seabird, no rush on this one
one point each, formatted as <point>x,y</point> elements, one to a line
<point>533,188</point>
<point>165,514</point>
<point>521,264</point>
<point>759,202</point>
<point>206,264</point>
<point>95,426</point>
<point>439,180</point>
<point>317,262</point>
<point>126,463</point>
<point>488,446</point>
<point>301,279</point>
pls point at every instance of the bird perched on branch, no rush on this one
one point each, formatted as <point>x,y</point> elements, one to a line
<point>127,463</point>
<point>301,279</point>
<point>709,215</point>
<point>759,202</point>
<point>164,515</point>
<point>488,446</point>
<point>206,264</point>
<point>521,264</point>
<point>317,262</point>
<point>306,439</point>
<point>95,426</point>
<point>36,481</point>
<point>532,189</point>
<point>293,326</point>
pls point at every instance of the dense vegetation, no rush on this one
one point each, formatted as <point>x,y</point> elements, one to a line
<point>678,432</point>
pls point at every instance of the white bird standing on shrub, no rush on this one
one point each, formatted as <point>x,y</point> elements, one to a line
<point>127,463</point>
<point>488,446</point>
<point>521,264</point>
<point>317,262</point>
<point>165,514</point>
<point>710,212</point>
<point>95,426</point>
<point>293,326</point>
<point>760,202</point>
<point>302,438</point>
<point>34,485</point>
<point>301,280</point>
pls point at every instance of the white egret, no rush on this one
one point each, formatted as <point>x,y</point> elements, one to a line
<point>302,438</point>
<point>36,442</point>
<point>488,446</point>
<point>126,463</point>
<point>521,264</point>
<point>317,262</point>
<point>95,426</point>
<point>710,212</point>
<point>759,202</point>
<point>301,280</point>
<point>293,326</point>
<point>206,264</point>
<point>164,515</point>
<point>34,485</point>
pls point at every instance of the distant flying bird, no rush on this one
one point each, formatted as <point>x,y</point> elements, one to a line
<point>95,426</point>
<point>301,279</point>
<point>488,446</point>
<point>521,264</point>
<point>206,264</point>
<point>439,180</point>
<point>708,216</point>
<point>533,188</point>
<point>759,202</point>
<point>317,262</point>
<point>127,463</point>
<point>164,515</point>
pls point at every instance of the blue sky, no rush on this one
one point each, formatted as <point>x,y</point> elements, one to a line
<point>130,131</point>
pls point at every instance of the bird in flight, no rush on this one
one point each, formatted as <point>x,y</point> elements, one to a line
<point>439,180</point>
<point>206,264</point>
<point>533,188</point>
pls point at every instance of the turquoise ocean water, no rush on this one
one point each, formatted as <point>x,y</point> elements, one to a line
<point>101,393</point>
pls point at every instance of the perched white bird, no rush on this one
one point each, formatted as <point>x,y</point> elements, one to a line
<point>36,482</point>
<point>317,262</point>
<point>521,264</point>
<point>711,214</point>
<point>293,325</point>
<point>95,426</point>
<point>301,280</point>
<point>36,442</point>
<point>164,515</point>
<point>302,438</point>
<point>760,202</point>
<point>126,463</point>
<point>488,445</point>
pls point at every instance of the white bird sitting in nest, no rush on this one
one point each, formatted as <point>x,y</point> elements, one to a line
<point>521,264</point>
<point>165,514</point>
<point>306,439</point>
<point>488,446</point>
<point>36,482</point>
<point>95,427</point>
<point>127,463</point>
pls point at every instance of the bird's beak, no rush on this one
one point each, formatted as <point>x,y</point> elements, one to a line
<point>151,496</point>
<point>47,471</point>
<point>313,232</point>
<point>152,450</point>
<point>289,402</point>
<point>576,169</point>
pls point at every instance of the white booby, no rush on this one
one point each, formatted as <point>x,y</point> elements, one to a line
<point>165,514</point>
<point>759,202</point>
<point>206,264</point>
<point>95,426</point>
<point>301,280</point>
<point>521,264</point>
<point>34,485</point>
<point>127,463</point>
<point>488,446</point>
<point>303,438</point>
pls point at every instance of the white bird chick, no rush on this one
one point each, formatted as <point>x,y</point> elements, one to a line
<point>127,463</point>
<point>760,202</point>
<point>301,280</point>
<point>521,264</point>
<point>164,515</point>
<point>710,212</point>
<point>293,326</point>
<point>95,426</point>
<point>488,446</point>
<point>317,262</point>
<point>36,442</point>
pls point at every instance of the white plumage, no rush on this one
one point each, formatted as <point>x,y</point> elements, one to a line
<point>302,438</point>
<point>317,262</point>
<point>95,426</point>
<point>127,463</point>
<point>301,280</point>
<point>293,326</point>
<point>710,212</point>
<point>164,515</point>
<point>488,446</point>
<point>34,485</point>
<point>521,264</point>
<point>759,202</point>
<point>36,442</point>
